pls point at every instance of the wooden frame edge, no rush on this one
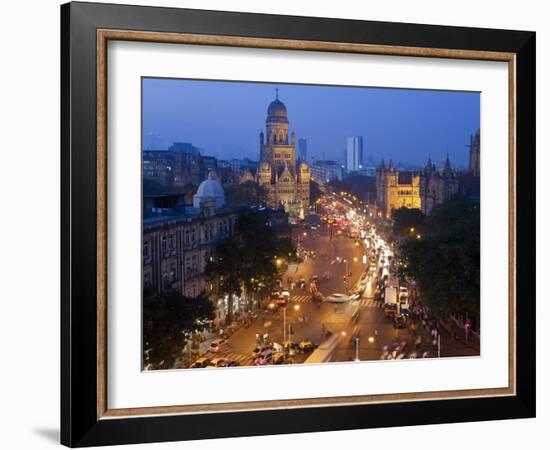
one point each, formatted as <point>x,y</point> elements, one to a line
<point>103,36</point>
<point>101,189</point>
<point>290,44</point>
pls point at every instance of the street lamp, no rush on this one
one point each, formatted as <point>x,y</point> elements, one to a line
<point>296,308</point>
<point>356,349</point>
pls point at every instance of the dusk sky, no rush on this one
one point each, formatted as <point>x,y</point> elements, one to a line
<point>224,119</point>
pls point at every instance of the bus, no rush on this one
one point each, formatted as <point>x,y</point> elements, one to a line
<point>324,352</point>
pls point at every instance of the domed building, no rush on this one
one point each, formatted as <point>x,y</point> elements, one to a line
<point>210,190</point>
<point>285,183</point>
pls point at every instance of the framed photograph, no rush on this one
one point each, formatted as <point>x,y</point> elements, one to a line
<point>276,224</point>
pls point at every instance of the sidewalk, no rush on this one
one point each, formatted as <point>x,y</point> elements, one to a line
<point>459,335</point>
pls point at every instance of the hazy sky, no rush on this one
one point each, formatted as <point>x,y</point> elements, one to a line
<point>225,118</point>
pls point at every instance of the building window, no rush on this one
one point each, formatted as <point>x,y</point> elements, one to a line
<point>147,280</point>
<point>188,265</point>
<point>163,243</point>
<point>171,244</point>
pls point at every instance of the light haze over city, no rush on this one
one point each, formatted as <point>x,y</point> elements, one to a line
<point>224,119</point>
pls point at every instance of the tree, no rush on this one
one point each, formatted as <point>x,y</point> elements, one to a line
<point>252,259</point>
<point>315,192</point>
<point>168,321</point>
<point>248,193</point>
<point>225,266</point>
<point>408,222</point>
<point>445,260</point>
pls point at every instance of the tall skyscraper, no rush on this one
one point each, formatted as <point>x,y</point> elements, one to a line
<point>354,153</point>
<point>302,149</point>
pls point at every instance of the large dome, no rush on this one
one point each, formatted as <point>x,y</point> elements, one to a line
<point>276,111</point>
<point>209,189</point>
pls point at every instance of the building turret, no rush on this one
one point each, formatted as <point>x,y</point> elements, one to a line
<point>447,171</point>
<point>473,166</point>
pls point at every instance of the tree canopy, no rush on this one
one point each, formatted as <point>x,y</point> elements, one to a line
<point>167,320</point>
<point>248,193</point>
<point>445,261</point>
<point>253,258</point>
<point>408,222</point>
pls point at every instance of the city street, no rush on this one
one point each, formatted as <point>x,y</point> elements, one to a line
<point>339,262</point>
<point>311,321</point>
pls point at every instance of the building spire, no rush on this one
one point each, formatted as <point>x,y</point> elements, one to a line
<point>429,165</point>
<point>277,93</point>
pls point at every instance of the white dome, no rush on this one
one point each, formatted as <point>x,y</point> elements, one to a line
<point>209,189</point>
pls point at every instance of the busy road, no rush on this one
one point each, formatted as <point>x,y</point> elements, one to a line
<point>331,307</point>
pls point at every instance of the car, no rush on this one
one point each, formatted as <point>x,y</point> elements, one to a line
<point>390,310</point>
<point>259,350</point>
<point>306,345</point>
<point>200,363</point>
<point>216,345</point>
<point>278,358</point>
<point>282,301</point>
<point>231,363</point>
<point>217,362</point>
<point>290,347</point>
<point>337,298</point>
<point>265,357</point>
<point>400,322</point>
<point>314,278</point>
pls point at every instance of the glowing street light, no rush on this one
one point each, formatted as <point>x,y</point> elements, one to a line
<point>412,229</point>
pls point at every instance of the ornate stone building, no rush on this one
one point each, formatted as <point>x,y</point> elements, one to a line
<point>285,181</point>
<point>421,190</point>
<point>178,242</point>
<point>396,189</point>
<point>436,186</point>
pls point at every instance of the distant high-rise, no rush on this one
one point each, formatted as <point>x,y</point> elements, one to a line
<point>302,149</point>
<point>354,153</point>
